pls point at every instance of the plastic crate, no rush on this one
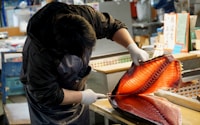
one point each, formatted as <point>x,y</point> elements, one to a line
<point>10,75</point>
<point>12,68</point>
<point>190,91</point>
<point>14,86</point>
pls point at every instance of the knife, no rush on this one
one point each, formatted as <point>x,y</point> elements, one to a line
<point>111,95</point>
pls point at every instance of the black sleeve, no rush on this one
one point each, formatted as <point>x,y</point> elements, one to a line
<point>103,23</point>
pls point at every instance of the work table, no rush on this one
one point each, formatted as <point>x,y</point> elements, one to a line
<point>104,108</point>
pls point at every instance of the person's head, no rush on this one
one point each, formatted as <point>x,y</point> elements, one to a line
<point>73,34</point>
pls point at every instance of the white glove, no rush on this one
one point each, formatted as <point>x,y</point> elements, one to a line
<point>137,54</point>
<point>89,96</point>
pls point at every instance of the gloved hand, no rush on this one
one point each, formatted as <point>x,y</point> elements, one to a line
<point>89,96</point>
<point>137,54</point>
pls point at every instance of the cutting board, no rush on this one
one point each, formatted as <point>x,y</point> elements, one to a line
<point>185,56</point>
<point>190,103</point>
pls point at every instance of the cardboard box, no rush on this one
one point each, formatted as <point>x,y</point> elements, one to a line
<point>142,40</point>
<point>12,31</point>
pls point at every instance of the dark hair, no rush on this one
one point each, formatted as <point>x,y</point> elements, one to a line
<point>73,34</point>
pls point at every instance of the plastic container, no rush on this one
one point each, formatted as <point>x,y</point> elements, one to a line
<point>10,75</point>
<point>143,11</point>
<point>14,86</point>
<point>12,68</point>
<point>22,17</point>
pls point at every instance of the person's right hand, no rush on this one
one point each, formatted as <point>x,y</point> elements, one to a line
<point>89,96</point>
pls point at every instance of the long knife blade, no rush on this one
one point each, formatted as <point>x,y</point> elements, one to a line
<point>111,95</point>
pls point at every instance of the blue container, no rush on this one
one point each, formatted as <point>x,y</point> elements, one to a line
<point>14,86</point>
<point>12,68</point>
<point>10,77</point>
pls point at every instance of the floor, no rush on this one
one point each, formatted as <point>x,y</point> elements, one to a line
<point>11,99</point>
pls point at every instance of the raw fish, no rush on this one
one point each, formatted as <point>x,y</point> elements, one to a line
<point>133,95</point>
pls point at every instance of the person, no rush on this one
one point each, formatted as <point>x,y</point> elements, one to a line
<point>56,55</point>
<point>167,5</point>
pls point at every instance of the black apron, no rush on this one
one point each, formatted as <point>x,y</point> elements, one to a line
<point>73,114</point>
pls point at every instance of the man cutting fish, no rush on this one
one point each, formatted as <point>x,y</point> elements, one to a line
<point>56,54</point>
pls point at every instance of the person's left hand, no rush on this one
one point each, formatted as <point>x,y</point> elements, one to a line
<point>137,54</point>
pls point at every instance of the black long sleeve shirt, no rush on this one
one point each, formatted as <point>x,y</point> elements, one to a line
<point>39,71</point>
